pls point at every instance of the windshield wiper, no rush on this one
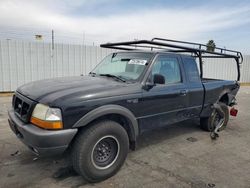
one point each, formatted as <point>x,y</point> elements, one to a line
<point>114,76</point>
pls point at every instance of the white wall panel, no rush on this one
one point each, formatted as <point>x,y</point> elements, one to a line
<point>22,62</point>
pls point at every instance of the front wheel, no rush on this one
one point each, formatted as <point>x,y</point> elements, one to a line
<point>99,151</point>
<point>209,123</point>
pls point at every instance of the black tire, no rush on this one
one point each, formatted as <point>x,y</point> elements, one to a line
<point>99,151</point>
<point>207,124</point>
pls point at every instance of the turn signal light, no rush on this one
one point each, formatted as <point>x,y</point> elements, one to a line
<point>46,124</point>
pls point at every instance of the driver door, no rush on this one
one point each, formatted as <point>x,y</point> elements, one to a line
<point>165,103</point>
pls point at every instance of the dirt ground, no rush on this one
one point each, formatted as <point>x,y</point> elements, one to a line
<point>179,155</point>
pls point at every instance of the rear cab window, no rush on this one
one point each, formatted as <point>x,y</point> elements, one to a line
<point>191,69</point>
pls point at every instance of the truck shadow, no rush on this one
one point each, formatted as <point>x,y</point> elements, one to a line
<point>158,135</point>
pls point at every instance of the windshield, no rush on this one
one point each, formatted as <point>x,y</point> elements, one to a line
<point>127,66</point>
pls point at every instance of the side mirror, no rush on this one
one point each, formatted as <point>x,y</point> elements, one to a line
<point>158,79</point>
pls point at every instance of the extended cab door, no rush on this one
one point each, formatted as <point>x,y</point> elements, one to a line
<point>194,85</point>
<point>164,103</point>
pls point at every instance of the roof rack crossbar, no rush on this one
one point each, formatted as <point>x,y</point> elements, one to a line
<point>208,56</point>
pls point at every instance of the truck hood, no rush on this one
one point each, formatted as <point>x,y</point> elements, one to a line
<point>50,91</point>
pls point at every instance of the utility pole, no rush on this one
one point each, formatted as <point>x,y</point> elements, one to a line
<point>83,38</point>
<point>52,38</point>
<point>52,54</point>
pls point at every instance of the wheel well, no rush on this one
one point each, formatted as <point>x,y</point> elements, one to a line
<point>122,120</point>
<point>224,99</point>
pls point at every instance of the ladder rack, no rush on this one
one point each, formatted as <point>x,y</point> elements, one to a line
<point>168,45</point>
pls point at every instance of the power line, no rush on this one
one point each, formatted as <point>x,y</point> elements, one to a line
<point>46,35</point>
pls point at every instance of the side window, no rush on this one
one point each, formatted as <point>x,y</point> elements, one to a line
<point>191,69</point>
<point>167,67</point>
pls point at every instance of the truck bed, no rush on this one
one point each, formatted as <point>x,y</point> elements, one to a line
<point>205,80</point>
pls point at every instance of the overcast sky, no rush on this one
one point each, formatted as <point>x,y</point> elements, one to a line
<point>77,21</point>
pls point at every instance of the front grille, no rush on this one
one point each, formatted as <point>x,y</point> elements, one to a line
<point>22,107</point>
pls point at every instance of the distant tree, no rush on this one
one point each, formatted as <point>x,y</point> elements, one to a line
<point>211,46</point>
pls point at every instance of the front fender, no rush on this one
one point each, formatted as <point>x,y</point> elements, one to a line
<point>106,110</point>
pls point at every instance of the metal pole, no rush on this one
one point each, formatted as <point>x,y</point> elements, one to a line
<point>52,39</point>
<point>83,38</point>
<point>201,66</point>
<point>238,68</point>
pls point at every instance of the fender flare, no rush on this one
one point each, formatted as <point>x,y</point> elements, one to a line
<point>110,109</point>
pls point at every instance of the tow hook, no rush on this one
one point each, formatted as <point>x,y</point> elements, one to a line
<point>215,132</point>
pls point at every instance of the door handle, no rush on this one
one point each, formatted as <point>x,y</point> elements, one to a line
<point>183,92</point>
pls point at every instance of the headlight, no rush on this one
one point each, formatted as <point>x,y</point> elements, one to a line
<point>46,117</point>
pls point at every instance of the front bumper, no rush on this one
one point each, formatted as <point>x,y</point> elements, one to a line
<point>41,141</point>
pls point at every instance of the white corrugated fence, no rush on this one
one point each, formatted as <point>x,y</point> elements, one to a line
<point>22,62</point>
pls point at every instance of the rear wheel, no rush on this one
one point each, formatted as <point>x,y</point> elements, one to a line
<point>99,152</point>
<point>209,123</point>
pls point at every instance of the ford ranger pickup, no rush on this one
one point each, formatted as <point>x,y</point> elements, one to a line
<point>142,85</point>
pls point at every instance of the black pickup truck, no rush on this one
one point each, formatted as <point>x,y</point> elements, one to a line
<point>98,117</point>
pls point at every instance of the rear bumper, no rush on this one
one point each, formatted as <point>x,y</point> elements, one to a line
<point>41,141</point>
